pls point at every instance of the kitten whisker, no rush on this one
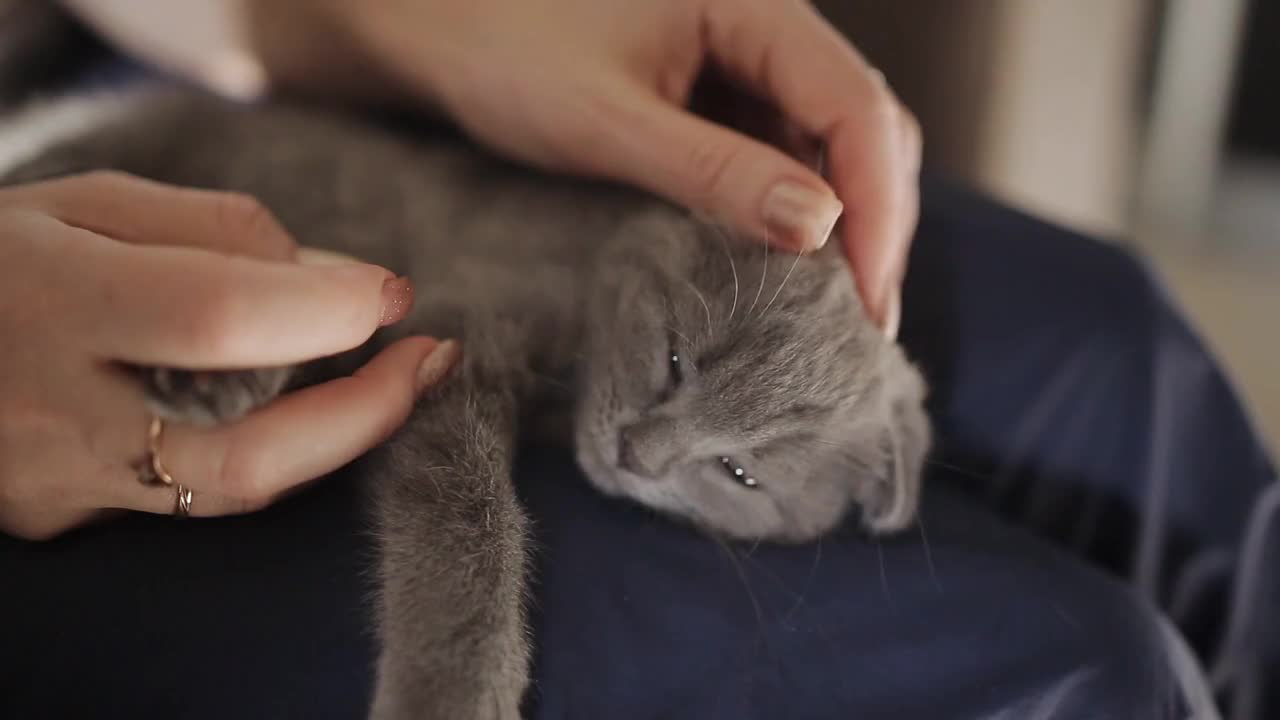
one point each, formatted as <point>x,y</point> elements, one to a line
<point>808,582</point>
<point>884,576</point>
<point>733,267</point>
<point>679,334</point>
<point>705,307</point>
<point>764,272</point>
<point>742,576</point>
<point>551,380</point>
<point>971,474</point>
<point>801,601</point>
<point>785,278</point>
<point>928,553</point>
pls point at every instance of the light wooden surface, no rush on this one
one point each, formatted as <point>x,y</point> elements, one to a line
<point>1233,302</point>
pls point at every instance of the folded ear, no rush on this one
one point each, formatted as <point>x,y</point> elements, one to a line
<point>905,441</point>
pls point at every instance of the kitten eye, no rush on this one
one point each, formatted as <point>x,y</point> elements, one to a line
<point>738,473</point>
<point>677,372</point>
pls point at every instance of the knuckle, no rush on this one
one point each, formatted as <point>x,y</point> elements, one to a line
<point>244,216</point>
<point>710,163</point>
<point>214,329</point>
<point>241,477</point>
<point>587,125</point>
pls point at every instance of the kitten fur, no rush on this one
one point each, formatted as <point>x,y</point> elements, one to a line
<point>679,353</point>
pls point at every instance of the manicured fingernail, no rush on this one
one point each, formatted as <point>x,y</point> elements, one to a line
<point>397,299</point>
<point>316,256</point>
<point>892,314</point>
<point>437,364</point>
<point>805,216</point>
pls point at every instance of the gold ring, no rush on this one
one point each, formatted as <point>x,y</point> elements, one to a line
<point>150,470</point>
<point>182,506</point>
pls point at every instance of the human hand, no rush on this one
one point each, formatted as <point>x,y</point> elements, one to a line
<point>102,269</point>
<point>601,88</point>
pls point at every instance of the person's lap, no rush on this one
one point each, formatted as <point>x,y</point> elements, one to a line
<point>1076,400</point>
<point>268,615</point>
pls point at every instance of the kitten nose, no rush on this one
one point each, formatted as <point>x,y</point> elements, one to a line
<point>643,451</point>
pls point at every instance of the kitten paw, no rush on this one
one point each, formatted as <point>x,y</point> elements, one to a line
<point>210,397</point>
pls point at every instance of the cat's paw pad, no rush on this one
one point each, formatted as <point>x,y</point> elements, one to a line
<point>211,397</point>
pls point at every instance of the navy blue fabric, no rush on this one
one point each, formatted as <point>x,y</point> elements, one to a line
<point>1073,397</point>
<point>1066,387</point>
<point>266,617</point>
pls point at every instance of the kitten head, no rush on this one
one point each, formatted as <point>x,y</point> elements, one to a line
<point>744,389</point>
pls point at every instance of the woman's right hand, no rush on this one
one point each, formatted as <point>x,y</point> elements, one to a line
<point>102,269</point>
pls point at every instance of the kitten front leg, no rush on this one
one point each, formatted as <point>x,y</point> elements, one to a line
<point>452,534</point>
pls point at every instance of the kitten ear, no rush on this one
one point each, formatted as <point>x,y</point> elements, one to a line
<point>905,443</point>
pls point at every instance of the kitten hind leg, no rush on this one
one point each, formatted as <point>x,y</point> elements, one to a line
<point>452,534</point>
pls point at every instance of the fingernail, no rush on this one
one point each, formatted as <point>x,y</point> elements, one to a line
<point>804,215</point>
<point>437,364</point>
<point>316,256</point>
<point>397,299</point>
<point>892,314</point>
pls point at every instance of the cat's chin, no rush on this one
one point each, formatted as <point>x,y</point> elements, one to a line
<point>614,481</point>
<point>657,495</point>
<point>598,472</point>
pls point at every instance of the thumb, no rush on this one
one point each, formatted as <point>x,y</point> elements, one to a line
<point>731,177</point>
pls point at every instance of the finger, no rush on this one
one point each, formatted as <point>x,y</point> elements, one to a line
<point>244,466</point>
<point>721,172</point>
<point>910,147</point>
<point>135,210</point>
<point>189,308</point>
<point>788,53</point>
<point>879,260</point>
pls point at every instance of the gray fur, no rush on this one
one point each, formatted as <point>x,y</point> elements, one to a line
<point>549,283</point>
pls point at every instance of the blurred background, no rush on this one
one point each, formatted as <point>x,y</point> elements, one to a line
<point>1153,123</point>
<point>1146,122</point>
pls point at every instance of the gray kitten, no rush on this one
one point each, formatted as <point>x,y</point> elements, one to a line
<point>738,389</point>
